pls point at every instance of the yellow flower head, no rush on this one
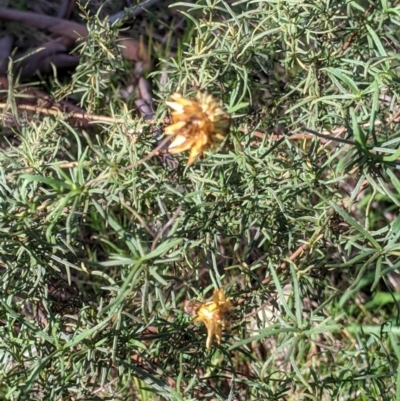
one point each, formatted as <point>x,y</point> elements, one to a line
<point>197,124</point>
<point>213,314</point>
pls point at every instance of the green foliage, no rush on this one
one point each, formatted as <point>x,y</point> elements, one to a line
<point>302,233</point>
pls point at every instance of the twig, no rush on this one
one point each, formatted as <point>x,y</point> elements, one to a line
<point>29,170</point>
<point>162,231</point>
<point>106,385</point>
<point>5,51</point>
<point>292,257</point>
<point>138,10</point>
<point>267,302</point>
<point>57,112</point>
<point>329,137</point>
<point>354,33</point>
<point>395,117</point>
<point>137,216</point>
<point>65,9</point>
<point>154,152</point>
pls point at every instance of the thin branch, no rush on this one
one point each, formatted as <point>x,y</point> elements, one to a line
<point>154,152</point>
<point>162,231</point>
<point>135,12</point>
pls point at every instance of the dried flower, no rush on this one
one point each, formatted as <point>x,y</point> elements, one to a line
<point>213,314</point>
<point>197,124</point>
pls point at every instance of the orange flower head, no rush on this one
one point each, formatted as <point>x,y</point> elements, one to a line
<point>213,314</point>
<point>197,124</point>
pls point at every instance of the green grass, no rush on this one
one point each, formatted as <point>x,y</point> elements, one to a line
<point>302,233</point>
